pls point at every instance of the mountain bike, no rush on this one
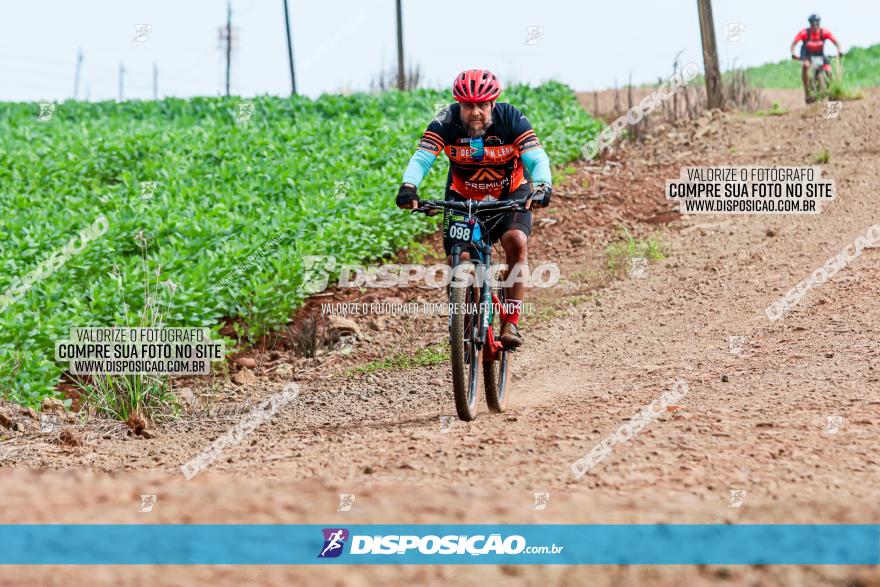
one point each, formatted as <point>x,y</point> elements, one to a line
<point>476,304</point>
<point>817,76</point>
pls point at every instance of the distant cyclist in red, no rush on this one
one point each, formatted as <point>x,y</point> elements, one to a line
<point>813,43</point>
<point>491,147</point>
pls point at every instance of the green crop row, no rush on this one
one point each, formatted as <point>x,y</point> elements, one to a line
<point>321,173</point>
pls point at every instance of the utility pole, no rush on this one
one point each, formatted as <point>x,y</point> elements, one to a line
<point>401,82</point>
<point>228,42</point>
<point>121,79</point>
<point>714,96</point>
<point>155,81</point>
<point>289,50</point>
<point>79,60</point>
<point>226,36</point>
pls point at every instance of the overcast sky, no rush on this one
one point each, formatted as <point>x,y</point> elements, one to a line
<point>341,44</point>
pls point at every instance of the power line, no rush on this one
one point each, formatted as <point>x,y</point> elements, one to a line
<point>57,67</point>
<point>55,72</point>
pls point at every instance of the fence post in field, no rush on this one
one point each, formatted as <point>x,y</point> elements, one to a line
<point>401,76</point>
<point>289,50</point>
<point>714,97</point>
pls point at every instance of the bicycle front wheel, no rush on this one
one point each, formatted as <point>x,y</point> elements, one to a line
<point>821,85</point>
<point>464,354</point>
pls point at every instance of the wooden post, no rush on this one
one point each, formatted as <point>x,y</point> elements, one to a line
<point>401,76</point>
<point>714,97</point>
<point>289,50</point>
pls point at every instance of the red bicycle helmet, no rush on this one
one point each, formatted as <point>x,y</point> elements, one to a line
<point>476,85</point>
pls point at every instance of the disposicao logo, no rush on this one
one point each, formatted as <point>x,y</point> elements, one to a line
<point>411,544</point>
<point>334,541</point>
<point>442,545</point>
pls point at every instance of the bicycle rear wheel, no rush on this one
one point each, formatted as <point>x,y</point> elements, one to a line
<point>496,373</point>
<point>465,357</point>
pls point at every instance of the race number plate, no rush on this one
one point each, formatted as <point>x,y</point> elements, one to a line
<point>817,61</point>
<point>460,231</point>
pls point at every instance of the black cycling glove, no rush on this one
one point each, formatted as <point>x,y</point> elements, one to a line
<point>541,198</point>
<point>406,195</point>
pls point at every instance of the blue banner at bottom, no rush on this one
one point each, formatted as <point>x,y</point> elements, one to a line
<point>545,544</point>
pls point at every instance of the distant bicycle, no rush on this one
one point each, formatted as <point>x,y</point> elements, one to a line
<point>818,76</point>
<point>816,69</point>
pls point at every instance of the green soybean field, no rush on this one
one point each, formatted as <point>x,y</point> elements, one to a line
<point>185,192</point>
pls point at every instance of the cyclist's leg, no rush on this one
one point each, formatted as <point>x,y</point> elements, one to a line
<point>515,245</point>
<point>513,231</point>
<point>805,77</point>
<point>826,70</point>
<point>805,70</point>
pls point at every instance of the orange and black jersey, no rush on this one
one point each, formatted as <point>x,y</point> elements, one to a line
<point>490,165</point>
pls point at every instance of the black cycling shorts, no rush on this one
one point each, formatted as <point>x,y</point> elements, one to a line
<point>497,223</point>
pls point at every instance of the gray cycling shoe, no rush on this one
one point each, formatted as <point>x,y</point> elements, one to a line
<point>510,336</point>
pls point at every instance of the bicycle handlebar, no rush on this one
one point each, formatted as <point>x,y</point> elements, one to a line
<point>473,205</point>
<point>799,58</point>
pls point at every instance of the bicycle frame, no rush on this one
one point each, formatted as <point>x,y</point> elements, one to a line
<point>471,337</point>
<point>488,299</point>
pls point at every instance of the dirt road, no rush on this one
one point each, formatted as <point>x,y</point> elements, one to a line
<point>788,418</point>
